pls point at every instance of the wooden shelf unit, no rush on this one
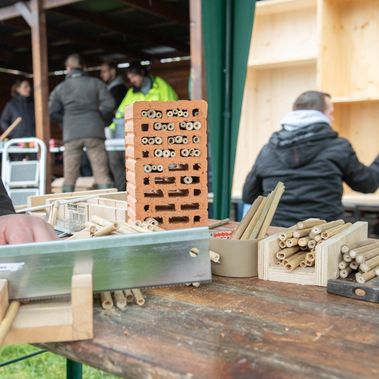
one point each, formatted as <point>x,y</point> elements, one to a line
<point>300,45</point>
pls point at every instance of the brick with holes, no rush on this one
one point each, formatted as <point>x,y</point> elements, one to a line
<point>166,162</point>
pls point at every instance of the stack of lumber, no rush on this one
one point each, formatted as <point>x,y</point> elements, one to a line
<point>298,245</point>
<point>360,260</point>
<point>258,218</point>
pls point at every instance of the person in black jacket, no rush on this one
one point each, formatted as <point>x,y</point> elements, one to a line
<point>312,161</point>
<point>15,229</point>
<point>20,105</point>
<point>117,88</point>
<point>114,81</point>
<point>84,105</point>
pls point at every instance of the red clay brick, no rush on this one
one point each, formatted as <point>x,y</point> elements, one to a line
<point>167,208</point>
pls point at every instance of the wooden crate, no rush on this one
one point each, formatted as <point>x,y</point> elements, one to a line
<point>326,263</point>
<point>300,45</point>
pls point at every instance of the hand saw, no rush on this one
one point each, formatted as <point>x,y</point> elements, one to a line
<point>44,270</point>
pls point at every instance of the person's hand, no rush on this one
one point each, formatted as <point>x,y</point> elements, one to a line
<point>16,229</point>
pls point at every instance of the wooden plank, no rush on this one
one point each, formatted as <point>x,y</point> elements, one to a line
<point>34,201</point>
<point>235,328</point>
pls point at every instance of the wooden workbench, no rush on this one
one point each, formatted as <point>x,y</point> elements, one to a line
<point>235,328</point>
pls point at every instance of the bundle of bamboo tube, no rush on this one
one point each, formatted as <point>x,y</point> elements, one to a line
<point>258,218</point>
<point>360,260</point>
<point>298,245</point>
<point>121,298</point>
<point>99,227</point>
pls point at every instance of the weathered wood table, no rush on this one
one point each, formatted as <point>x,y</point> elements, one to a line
<point>235,328</point>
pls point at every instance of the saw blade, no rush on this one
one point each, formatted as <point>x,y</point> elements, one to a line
<point>44,270</point>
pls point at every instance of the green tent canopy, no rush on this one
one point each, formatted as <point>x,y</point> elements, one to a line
<point>227,27</point>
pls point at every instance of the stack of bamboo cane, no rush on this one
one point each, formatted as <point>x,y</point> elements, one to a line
<point>121,298</point>
<point>99,227</point>
<point>298,245</point>
<point>258,218</point>
<point>360,260</point>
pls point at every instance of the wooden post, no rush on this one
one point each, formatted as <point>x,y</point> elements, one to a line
<point>197,62</point>
<point>34,14</point>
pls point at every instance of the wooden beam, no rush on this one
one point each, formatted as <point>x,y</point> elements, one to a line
<point>117,27</point>
<point>197,64</point>
<point>160,9</point>
<point>12,11</point>
<point>40,80</point>
<point>24,10</point>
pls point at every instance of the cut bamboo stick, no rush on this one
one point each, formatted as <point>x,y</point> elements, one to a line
<point>247,219</point>
<point>91,227</point>
<point>138,296</point>
<point>285,253</point>
<point>347,258</point>
<point>303,264</point>
<point>6,323</point>
<point>290,242</point>
<point>310,223</point>
<point>317,238</point>
<point>215,257</point>
<point>354,265</point>
<point>343,264</point>
<point>309,263</point>
<point>365,277</point>
<point>312,244</point>
<point>106,300</point>
<point>101,221</point>
<point>333,231</point>
<point>301,233</point>
<point>216,224</point>
<point>294,261</point>
<point>277,195</point>
<point>370,264</point>
<point>247,234</point>
<point>345,272</point>
<point>312,234</point>
<point>120,300</point>
<point>363,257</point>
<point>347,248</point>
<point>286,235</point>
<point>129,295</point>
<point>310,256</point>
<point>321,228</point>
<point>105,231</point>
<point>304,241</point>
<point>359,250</point>
<point>282,244</point>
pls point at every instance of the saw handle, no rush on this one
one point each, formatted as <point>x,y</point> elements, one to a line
<point>7,321</point>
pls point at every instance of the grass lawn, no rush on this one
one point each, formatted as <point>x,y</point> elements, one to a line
<point>43,366</point>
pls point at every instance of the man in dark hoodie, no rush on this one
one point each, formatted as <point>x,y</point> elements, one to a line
<point>312,161</point>
<point>85,106</point>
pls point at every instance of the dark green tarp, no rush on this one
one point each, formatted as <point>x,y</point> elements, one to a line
<point>227,27</point>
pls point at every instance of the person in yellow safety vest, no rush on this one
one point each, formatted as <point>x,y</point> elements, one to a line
<point>144,88</point>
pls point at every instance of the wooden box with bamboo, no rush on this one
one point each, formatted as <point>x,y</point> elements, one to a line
<point>326,257</point>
